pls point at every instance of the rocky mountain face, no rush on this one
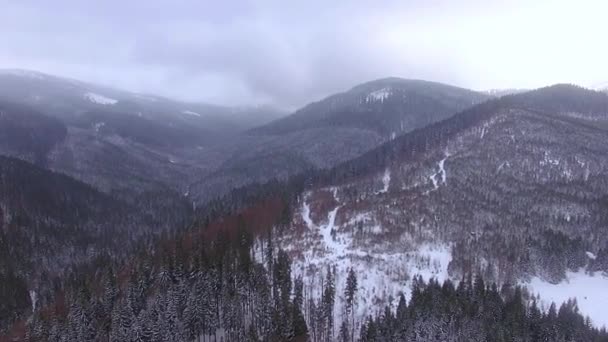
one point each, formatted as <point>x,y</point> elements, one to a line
<point>514,189</point>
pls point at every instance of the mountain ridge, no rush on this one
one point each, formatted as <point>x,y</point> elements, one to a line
<point>513,189</point>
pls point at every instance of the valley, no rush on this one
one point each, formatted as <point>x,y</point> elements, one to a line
<point>126,215</point>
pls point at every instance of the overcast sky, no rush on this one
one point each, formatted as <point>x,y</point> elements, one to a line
<point>287,54</point>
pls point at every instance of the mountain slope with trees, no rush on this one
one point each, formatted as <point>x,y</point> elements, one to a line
<point>331,131</point>
<point>513,189</point>
<point>51,224</point>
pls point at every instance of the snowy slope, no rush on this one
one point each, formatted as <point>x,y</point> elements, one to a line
<point>468,205</point>
<point>383,272</point>
<point>590,292</point>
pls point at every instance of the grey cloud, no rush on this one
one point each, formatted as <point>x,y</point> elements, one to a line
<point>289,53</point>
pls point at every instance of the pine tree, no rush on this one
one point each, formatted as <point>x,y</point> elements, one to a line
<point>350,292</point>
<point>329,293</point>
<point>299,323</point>
<point>345,336</point>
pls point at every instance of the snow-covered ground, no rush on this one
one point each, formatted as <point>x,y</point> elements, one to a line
<point>386,181</point>
<point>382,273</point>
<point>99,99</point>
<point>590,291</point>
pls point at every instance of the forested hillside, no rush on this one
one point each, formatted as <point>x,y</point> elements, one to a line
<point>51,225</point>
<point>513,189</point>
<point>211,284</point>
<point>434,235</point>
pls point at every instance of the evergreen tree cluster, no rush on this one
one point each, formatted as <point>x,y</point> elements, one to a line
<point>207,292</point>
<point>474,311</point>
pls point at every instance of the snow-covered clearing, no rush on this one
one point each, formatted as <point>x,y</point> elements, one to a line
<point>590,291</point>
<point>383,273</point>
<point>99,99</point>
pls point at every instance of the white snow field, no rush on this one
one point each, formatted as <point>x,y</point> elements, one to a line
<point>590,291</point>
<point>382,275</point>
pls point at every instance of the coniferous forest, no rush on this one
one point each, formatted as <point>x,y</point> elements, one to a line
<point>398,210</point>
<point>227,281</point>
<point>217,292</point>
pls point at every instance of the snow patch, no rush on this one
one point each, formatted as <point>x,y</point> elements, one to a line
<point>589,290</point>
<point>98,125</point>
<point>502,165</point>
<point>441,172</point>
<point>100,99</point>
<point>33,299</point>
<point>386,181</point>
<point>189,112</point>
<point>379,95</point>
<point>548,160</point>
<point>438,257</point>
<point>360,217</point>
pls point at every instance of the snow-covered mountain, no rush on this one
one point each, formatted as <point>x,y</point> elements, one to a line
<point>69,99</point>
<point>389,107</point>
<point>514,189</point>
<point>116,140</point>
<point>333,130</point>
